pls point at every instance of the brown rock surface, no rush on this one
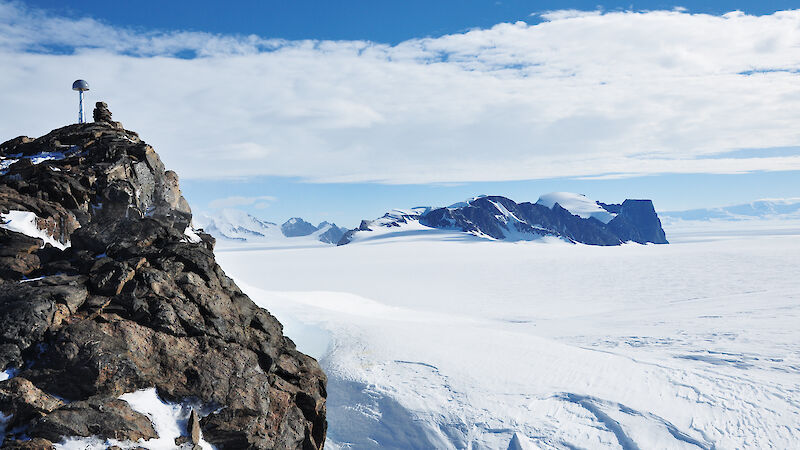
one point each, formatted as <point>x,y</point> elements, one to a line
<point>132,304</point>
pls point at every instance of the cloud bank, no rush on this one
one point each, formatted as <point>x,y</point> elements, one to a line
<point>582,94</point>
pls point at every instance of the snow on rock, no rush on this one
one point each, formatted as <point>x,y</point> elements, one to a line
<point>236,225</point>
<point>191,235</point>
<point>169,421</point>
<point>6,162</point>
<point>25,222</point>
<point>233,227</point>
<point>577,204</point>
<point>7,374</point>
<point>467,202</point>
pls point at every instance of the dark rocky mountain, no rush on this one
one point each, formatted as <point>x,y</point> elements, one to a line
<point>330,233</point>
<point>135,300</point>
<point>296,226</point>
<point>326,232</point>
<point>503,219</point>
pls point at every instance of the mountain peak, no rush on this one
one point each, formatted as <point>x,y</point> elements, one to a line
<point>120,295</point>
<point>296,227</point>
<point>570,217</point>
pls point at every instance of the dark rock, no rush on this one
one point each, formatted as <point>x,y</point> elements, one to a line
<point>332,235</point>
<point>30,444</point>
<point>296,226</point>
<point>501,218</point>
<point>24,401</point>
<point>637,221</point>
<point>102,114</point>
<point>132,305</point>
<point>108,418</point>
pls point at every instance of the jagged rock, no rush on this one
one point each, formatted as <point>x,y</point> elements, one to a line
<point>132,304</point>
<point>193,428</point>
<point>296,226</point>
<point>95,417</point>
<point>102,114</point>
<point>25,401</point>
<point>32,444</point>
<point>502,218</point>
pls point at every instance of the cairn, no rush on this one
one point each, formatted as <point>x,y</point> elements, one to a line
<point>102,114</point>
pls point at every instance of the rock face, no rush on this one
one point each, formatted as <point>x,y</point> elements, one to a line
<point>296,226</point>
<point>133,302</point>
<point>330,233</point>
<point>501,218</point>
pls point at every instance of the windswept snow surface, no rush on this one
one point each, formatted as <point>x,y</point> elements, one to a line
<point>25,222</point>
<point>577,204</point>
<point>434,343</point>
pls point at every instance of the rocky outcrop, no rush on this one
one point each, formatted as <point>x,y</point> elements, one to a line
<point>132,302</point>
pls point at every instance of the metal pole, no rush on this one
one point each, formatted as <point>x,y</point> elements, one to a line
<point>80,110</point>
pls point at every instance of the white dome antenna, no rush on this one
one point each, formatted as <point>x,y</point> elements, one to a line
<point>81,86</point>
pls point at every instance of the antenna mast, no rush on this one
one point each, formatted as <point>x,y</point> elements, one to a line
<point>81,86</point>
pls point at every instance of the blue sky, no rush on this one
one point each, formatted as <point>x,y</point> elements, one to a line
<point>341,110</point>
<point>389,21</point>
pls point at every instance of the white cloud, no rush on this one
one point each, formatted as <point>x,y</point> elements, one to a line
<point>582,94</point>
<point>258,202</point>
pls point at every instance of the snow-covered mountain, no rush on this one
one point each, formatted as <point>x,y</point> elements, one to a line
<point>560,215</point>
<point>237,225</point>
<point>773,209</point>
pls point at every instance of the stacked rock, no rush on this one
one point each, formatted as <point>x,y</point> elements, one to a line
<point>101,113</point>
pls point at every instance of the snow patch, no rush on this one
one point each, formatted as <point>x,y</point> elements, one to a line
<point>6,162</point>
<point>7,374</point>
<point>577,204</point>
<point>25,222</point>
<point>191,235</point>
<point>169,421</point>
<point>466,202</point>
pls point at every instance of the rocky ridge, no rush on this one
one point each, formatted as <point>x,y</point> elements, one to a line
<point>135,300</point>
<point>500,218</point>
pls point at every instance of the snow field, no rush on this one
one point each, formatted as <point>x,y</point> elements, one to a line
<point>437,343</point>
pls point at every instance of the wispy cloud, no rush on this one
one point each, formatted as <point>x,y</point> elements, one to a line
<point>258,202</point>
<point>583,94</point>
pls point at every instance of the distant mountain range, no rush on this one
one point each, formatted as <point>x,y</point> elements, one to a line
<point>773,209</point>
<point>561,215</point>
<point>236,225</point>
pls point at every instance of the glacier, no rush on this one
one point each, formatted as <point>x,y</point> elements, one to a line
<point>441,340</point>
